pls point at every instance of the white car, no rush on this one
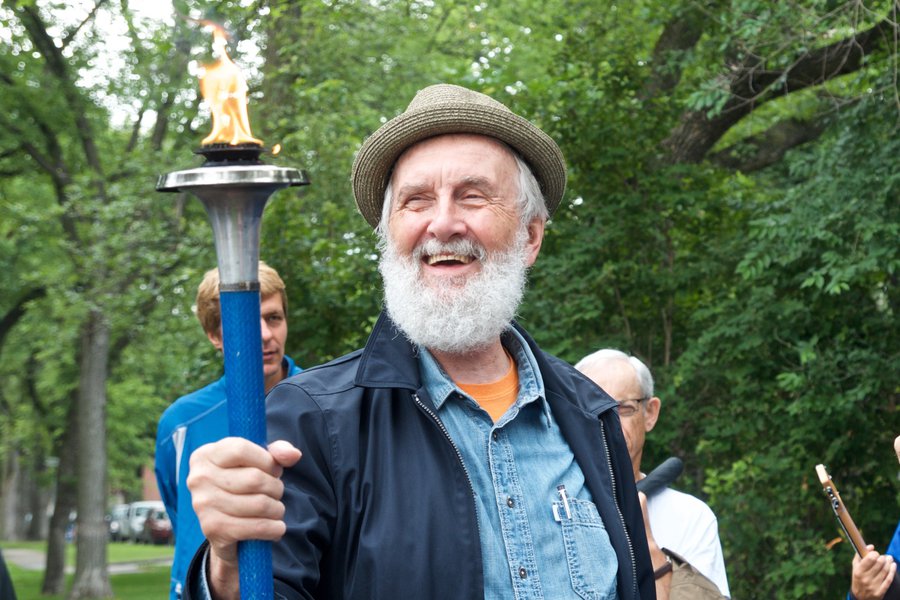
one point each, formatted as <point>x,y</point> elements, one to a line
<point>116,520</point>
<point>133,524</point>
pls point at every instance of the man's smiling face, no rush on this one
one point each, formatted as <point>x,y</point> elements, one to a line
<point>450,189</point>
<point>456,253</point>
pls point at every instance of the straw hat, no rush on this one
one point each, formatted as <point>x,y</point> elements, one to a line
<point>441,109</point>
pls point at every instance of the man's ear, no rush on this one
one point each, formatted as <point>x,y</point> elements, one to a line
<point>535,238</point>
<point>651,413</point>
<point>215,338</point>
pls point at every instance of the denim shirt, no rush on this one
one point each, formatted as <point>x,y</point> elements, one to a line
<point>541,534</point>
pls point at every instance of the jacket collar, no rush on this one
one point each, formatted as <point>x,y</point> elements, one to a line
<point>388,360</point>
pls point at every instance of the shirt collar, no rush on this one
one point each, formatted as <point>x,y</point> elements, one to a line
<point>531,384</point>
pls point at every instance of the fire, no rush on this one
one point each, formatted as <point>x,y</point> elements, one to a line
<point>225,89</point>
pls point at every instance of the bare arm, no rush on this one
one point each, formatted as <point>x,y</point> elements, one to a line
<point>657,556</point>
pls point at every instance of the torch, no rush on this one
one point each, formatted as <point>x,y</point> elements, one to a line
<point>234,186</point>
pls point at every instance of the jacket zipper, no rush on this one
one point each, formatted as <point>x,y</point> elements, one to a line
<point>619,510</point>
<point>459,457</point>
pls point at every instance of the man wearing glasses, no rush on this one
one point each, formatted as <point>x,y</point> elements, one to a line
<point>679,522</point>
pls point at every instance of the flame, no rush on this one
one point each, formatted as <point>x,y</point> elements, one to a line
<point>225,89</point>
<point>276,149</point>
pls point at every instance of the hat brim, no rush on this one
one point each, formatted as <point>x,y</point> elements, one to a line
<point>375,160</point>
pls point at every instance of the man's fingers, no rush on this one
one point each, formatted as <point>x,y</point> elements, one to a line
<point>869,556</point>
<point>234,452</point>
<point>246,480</point>
<point>285,453</point>
<point>889,574</point>
<point>226,529</point>
<point>246,505</point>
<point>888,566</point>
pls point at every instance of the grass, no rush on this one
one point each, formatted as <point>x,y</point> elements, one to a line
<point>151,583</point>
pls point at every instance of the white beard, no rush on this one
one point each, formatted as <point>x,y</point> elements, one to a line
<point>465,313</point>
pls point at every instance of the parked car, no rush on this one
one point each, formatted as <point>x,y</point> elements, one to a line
<point>157,528</point>
<point>115,521</point>
<point>137,514</point>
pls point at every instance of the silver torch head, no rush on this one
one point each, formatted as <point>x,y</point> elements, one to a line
<point>234,197</point>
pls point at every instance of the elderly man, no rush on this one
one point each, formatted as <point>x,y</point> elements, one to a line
<point>450,457</point>
<point>679,522</point>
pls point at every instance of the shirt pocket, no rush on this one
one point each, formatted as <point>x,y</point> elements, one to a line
<point>592,562</point>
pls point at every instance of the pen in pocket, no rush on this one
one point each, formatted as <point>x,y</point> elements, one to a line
<point>561,490</point>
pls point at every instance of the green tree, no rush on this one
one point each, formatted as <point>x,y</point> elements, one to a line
<point>105,252</point>
<point>802,346</point>
<point>722,136</point>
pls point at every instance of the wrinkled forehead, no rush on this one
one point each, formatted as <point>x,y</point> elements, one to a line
<point>484,143</point>
<point>459,138</point>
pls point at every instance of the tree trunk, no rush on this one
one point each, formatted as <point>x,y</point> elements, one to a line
<point>753,84</point>
<point>91,574</point>
<point>66,500</point>
<point>37,505</point>
<point>10,495</point>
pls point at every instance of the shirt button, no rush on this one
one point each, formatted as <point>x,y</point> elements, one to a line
<point>495,436</point>
<point>510,502</point>
<point>522,573</point>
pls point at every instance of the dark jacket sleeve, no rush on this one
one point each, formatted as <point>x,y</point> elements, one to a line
<point>309,494</point>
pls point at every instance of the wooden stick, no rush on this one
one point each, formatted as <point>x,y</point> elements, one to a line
<point>840,511</point>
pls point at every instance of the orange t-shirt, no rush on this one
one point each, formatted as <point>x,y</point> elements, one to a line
<point>495,397</point>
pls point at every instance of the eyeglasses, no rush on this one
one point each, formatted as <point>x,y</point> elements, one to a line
<point>628,408</point>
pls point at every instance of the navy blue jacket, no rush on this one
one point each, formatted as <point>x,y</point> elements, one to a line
<point>380,505</point>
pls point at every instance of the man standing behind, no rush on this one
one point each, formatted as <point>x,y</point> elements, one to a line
<point>679,522</point>
<point>202,416</point>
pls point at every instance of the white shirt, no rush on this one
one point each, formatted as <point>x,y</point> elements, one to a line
<point>687,526</point>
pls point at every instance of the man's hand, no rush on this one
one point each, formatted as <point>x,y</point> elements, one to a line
<point>236,491</point>
<point>872,575</point>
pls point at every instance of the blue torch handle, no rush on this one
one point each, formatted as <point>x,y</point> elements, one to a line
<point>242,345</point>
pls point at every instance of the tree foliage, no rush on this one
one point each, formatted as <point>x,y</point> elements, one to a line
<point>94,250</point>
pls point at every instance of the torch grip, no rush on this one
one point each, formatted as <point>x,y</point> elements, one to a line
<point>244,387</point>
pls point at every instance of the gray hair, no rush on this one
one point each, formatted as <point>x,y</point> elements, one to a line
<point>530,199</point>
<point>600,357</point>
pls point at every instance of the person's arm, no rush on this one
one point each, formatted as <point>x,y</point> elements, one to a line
<point>872,575</point>
<point>662,565</point>
<point>165,469</point>
<point>236,490</point>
